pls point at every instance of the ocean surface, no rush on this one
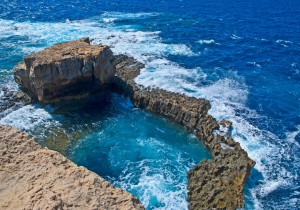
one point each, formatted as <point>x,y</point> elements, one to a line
<point>242,56</point>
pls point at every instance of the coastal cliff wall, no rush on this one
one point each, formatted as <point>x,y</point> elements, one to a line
<point>216,183</point>
<point>32,177</point>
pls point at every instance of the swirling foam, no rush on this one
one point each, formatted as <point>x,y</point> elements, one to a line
<point>31,118</point>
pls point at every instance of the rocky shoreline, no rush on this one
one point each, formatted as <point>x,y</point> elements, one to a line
<point>216,183</point>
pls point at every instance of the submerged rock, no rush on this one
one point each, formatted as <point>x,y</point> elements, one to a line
<point>216,183</point>
<point>64,69</point>
<point>32,177</point>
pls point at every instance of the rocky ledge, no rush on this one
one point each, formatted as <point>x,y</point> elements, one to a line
<point>32,177</point>
<point>216,183</point>
<point>64,69</point>
<point>212,184</point>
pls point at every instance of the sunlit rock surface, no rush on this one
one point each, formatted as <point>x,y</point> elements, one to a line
<point>68,68</point>
<point>32,177</point>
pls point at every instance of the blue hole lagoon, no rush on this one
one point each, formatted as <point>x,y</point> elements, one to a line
<point>144,154</point>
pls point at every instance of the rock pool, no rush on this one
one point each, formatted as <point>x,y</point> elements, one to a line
<point>140,152</point>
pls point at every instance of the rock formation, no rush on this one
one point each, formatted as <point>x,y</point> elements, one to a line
<point>32,177</point>
<point>216,183</point>
<point>65,69</point>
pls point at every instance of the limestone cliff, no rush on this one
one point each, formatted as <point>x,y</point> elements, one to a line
<point>65,69</point>
<point>32,177</point>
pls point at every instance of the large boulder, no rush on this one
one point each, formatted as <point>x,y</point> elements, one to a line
<point>64,69</point>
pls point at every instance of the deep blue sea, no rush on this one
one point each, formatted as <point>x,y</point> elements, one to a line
<point>242,56</point>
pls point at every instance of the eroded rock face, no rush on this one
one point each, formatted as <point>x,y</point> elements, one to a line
<point>32,177</point>
<point>64,69</point>
<point>216,183</point>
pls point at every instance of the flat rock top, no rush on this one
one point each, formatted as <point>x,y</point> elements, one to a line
<point>79,48</point>
<point>32,177</point>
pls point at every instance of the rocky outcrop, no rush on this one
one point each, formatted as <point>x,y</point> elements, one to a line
<point>216,183</point>
<point>65,69</point>
<point>32,177</point>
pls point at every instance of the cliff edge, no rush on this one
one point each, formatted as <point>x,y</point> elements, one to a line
<point>66,68</point>
<point>32,177</point>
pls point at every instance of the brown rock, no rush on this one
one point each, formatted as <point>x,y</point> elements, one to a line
<point>32,177</point>
<point>65,68</point>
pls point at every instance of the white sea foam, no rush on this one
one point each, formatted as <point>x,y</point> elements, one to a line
<point>284,43</point>
<point>123,15</point>
<point>8,83</point>
<point>110,17</point>
<point>29,118</point>
<point>233,36</point>
<point>255,64</point>
<point>207,41</point>
<point>109,20</point>
<point>157,183</point>
<point>270,187</point>
<point>142,45</point>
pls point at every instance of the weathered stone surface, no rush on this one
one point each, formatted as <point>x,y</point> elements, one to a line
<point>32,177</point>
<point>65,69</point>
<point>216,183</point>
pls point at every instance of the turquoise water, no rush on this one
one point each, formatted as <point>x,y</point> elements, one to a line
<point>144,154</point>
<point>242,56</point>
